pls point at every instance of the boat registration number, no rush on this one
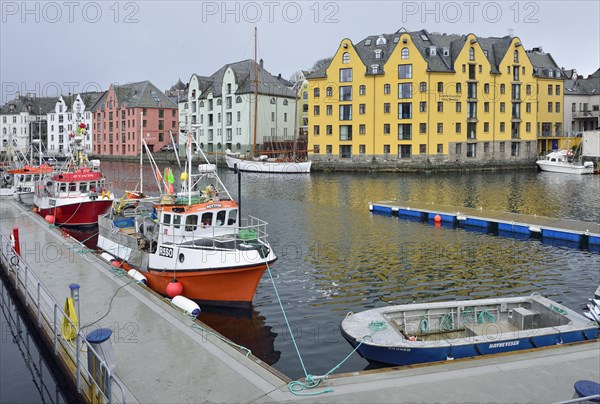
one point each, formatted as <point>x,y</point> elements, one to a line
<point>52,202</point>
<point>165,252</point>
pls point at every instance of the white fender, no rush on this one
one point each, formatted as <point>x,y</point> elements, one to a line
<point>186,305</point>
<point>138,276</point>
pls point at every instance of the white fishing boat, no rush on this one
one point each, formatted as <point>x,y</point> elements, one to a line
<point>562,161</point>
<point>431,332</point>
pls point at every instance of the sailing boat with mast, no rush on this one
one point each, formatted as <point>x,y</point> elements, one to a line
<point>264,163</point>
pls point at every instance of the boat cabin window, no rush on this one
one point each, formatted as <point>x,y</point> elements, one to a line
<point>190,222</point>
<point>166,219</point>
<point>36,177</point>
<point>28,178</point>
<point>63,187</point>
<point>83,187</point>
<point>232,217</point>
<point>552,159</point>
<point>176,221</point>
<point>221,218</point>
<point>93,186</point>
<point>207,219</point>
<point>72,187</point>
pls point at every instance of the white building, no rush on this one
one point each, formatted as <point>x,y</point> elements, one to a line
<point>23,119</point>
<point>64,119</point>
<point>219,110</point>
<point>582,103</point>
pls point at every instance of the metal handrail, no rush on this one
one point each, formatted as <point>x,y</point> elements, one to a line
<point>14,262</point>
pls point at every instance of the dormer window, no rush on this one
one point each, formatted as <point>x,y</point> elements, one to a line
<point>346,58</point>
<point>238,100</point>
<point>381,41</point>
<point>367,42</point>
<point>219,102</point>
<point>550,73</point>
<point>285,102</point>
<point>405,53</point>
<point>485,53</point>
<point>272,100</point>
<point>396,39</point>
<point>446,51</point>
<point>378,54</point>
<point>374,69</point>
<point>432,51</point>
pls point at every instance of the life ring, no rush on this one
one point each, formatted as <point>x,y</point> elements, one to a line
<point>569,153</point>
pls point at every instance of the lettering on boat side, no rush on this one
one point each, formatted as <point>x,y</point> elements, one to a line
<point>504,344</point>
<point>400,349</point>
<point>213,205</point>
<point>165,252</point>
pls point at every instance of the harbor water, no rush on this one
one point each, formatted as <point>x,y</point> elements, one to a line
<point>336,257</point>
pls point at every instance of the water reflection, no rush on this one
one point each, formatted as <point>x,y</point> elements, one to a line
<point>336,257</point>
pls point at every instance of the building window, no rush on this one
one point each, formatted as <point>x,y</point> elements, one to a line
<point>458,88</point>
<point>345,132</point>
<point>471,53</point>
<point>345,151</point>
<point>486,107</point>
<point>458,127</point>
<point>423,87</point>
<point>440,87</point>
<point>557,107</point>
<point>502,127</point>
<point>528,127</point>
<point>329,130</point>
<point>361,109</point>
<point>404,110</point>
<point>345,112</point>
<point>386,108</point>
<point>386,128</point>
<point>378,53</point>
<point>361,149</point>
<point>515,148</point>
<point>405,151</point>
<point>423,106</point>
<point>345,75</point>
<point>317,92</point>
<point>440,106</point>
<point>549,106</point>
<point>404,54</point>
<point>329,149</point>
<point>404,71</point>
<point>458,149</point>
<point>458,107</point>
<point>386,149</point>
<point>440,148</point>
<point>316,130</point>
<point>515,73</point>
<point>362,129</point>
<point>329,109</point>
<point>557,89</point>
<point>528,89</point>
<point>362,89</point>
<point>374,69</point>
<point>329,91</point>
<point>486,127</point>
<point>405,90</point>
<point>502,88</point>
<point>316,149</point>
<point>440,128</point>
<point>516,56</point>
<point>549,89</point>
<point>386,88</point>
<point>486,88</point>
<point>422,128</point>
<point>502,107</point>
<point>404,131</point>
<point>316,110</point>
<point>346,58</point>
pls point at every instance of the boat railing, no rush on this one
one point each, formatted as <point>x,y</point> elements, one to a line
<point>97,382</point>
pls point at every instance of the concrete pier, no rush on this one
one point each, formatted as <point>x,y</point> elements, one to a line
<point>571,233</point>
<point>161,358</point>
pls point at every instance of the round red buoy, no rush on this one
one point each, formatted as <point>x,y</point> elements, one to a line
<point>49,218</point>
<point>437,218</point>
<point>174,288</point>
<point>115,263</point>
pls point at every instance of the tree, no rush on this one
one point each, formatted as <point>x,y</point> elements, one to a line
<point>321,63</point>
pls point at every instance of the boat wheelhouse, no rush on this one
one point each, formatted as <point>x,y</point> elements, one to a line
<point>562,162</point>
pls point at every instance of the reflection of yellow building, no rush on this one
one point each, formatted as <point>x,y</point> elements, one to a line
<point>437,97</point>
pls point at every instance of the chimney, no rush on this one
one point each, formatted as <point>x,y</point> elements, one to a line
<point>511,32</point>
<point>260,62</point>
<point>279,76</point>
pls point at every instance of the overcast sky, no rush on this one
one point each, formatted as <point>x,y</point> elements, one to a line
<point>76,46</point>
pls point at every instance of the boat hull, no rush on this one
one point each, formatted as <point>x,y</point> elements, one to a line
<point>564,168</point>
<point>25,198</point>
<point>269,166</point>
<point>83,213</point>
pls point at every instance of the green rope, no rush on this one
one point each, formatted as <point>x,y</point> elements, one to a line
<point>468,315</point>
<point>424,325</point>
<point>485,317</point>
<point>558,310</point>
<point>446,323</point>
<point>377,325</point>
<point>117,271</point>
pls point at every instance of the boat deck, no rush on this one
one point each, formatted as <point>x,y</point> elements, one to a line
<point>570,233</point>
<point>161,358</point>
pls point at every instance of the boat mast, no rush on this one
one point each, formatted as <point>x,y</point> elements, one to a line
<point>189,168</point>
<point>294,145</point>
<point>142,153</point>
<point>255,91</point>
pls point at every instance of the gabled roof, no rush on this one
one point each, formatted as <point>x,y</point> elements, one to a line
<point>29,104</point>
<point>244,72</point>
<point>543,63</point>
<point>580,86</point>
<point>447,48</point>
<point>89,100</point>
<point>142,94</point>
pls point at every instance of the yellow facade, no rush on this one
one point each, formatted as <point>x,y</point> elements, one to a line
<point>470,110</point>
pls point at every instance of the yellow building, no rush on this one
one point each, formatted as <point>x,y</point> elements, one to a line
<point>416,96</point>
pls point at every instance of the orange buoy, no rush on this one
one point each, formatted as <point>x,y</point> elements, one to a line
<point>35,209</point>
<point>115,263</point>
<point>437,218</point>
<point>49,219</point>
<point>174,288</point>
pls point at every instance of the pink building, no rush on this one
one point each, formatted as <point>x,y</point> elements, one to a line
<point>123,111</point>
